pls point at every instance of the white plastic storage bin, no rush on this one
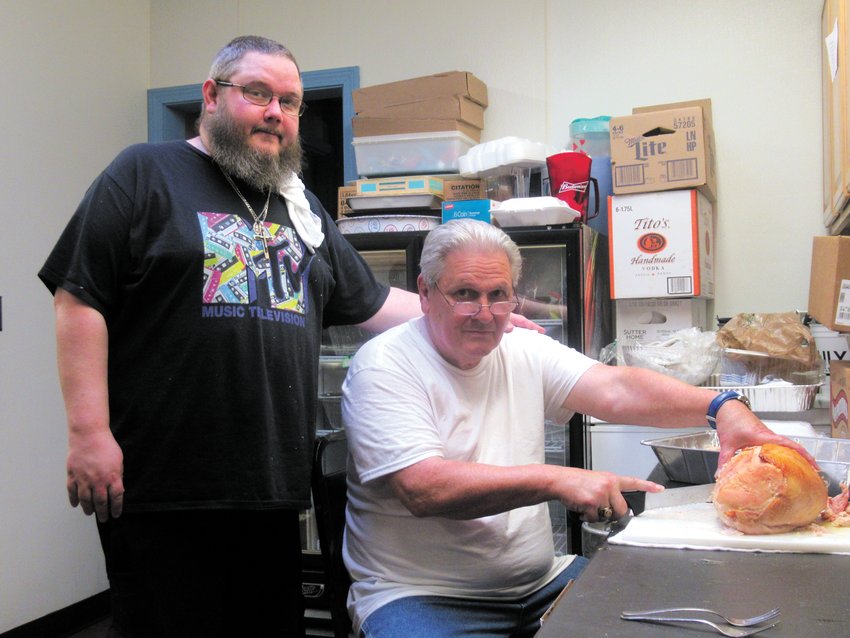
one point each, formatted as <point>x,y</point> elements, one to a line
<point>410,153</point>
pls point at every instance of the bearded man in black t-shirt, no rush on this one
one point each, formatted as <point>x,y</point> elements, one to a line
<point>191,287</point>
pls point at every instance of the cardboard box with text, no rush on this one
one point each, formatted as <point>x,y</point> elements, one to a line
<point>661,245</point>
<point>829,282</point>
<point>663,148</point>
<point>839,388</point>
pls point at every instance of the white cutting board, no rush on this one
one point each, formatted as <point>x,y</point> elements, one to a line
<point>697,526</point>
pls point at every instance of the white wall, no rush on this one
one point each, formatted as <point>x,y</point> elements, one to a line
<point>79,72</point>
<point>74,94</point>
<point>759,62</point>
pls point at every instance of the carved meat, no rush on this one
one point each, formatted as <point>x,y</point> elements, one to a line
<point>769,489</point>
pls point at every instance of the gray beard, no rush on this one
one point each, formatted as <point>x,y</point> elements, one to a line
<point>260,170</point>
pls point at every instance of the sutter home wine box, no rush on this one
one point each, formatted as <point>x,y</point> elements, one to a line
<point>661,245</point>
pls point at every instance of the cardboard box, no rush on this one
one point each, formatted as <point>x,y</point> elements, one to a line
<point>372,126</point>
<point>467,209</point>
<point>829,283</point>
<point>661,245</point>
<point>446,107</point>
<point>463,189</point>
<point>342,207</point>
<point>839,388</point>
<point>449,187</point>
<point>402,185</point>
<point>655,150</point>
<point>421,88</point>
<point>657,319</point>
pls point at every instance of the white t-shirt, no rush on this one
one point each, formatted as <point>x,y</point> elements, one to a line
<point>402,403</point>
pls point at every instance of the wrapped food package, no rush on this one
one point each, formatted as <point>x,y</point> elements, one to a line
<point>763,347</point>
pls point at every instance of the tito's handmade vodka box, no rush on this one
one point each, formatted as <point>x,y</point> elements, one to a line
<point>661,245</point>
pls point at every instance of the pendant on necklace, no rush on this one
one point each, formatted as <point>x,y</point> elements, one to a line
<point>260,235</point>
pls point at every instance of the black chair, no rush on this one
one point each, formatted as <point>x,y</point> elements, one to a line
<point>329,499</point>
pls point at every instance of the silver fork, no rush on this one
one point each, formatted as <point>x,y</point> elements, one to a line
<point>726,630</point>
<point>737,622</point>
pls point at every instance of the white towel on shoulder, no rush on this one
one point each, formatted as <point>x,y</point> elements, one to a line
<point>307,224</point>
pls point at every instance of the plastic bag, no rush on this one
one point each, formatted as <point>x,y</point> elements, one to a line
<point>689,355</point>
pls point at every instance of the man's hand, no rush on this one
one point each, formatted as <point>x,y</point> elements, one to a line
<point>518,321</point>
<point>738,427</point>
<point>95,474</point>
<point>589,492</point>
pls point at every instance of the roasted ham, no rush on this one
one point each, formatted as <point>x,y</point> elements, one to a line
<point>769,489</point>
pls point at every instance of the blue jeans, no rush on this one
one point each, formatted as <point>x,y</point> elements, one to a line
<point>443,617</point>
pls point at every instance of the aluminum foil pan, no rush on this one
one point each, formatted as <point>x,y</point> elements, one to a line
<point>692,458</point>
<point>776,398</point>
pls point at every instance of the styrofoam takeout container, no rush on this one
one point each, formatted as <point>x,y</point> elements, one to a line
<point>532,211</point>
<point>500,156</point>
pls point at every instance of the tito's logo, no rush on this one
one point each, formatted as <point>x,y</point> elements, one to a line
<point>652,243</point>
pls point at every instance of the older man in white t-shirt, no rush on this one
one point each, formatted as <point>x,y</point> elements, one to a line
<point>448,531</point>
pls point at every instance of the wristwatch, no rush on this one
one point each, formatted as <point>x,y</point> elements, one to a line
<point>720,399</point>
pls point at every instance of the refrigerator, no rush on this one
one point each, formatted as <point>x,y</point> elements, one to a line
<point>565,279</point>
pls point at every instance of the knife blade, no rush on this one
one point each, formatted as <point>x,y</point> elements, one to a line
<point>675,496</point>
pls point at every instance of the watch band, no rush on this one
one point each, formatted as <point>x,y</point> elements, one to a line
<point>719,400</point>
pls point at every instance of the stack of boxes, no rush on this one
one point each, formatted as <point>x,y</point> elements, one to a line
<point>453,101</point>
<point>408,136</point>
<point>661,220</point>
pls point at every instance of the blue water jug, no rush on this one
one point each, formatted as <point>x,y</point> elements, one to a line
<point>590,135</point>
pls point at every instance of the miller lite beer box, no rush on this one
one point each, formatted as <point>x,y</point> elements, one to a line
<point>661,245</point>
<point>664,147</point>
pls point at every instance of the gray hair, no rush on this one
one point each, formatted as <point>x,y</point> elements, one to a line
<point>226,61</point>
<point>458,234</point>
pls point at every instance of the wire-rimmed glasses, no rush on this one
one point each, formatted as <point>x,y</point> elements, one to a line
<point>472,308</point>
<point>289,104</point>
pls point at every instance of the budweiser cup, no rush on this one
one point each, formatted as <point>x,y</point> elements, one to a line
<point>570,181</point>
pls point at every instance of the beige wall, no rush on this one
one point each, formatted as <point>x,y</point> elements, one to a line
<point>547,62</point>
<point>75,95</point>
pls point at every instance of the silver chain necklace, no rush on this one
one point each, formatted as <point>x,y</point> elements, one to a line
<point>260,231</point>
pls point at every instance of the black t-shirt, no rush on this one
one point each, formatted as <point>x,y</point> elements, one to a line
<point>213,350</point>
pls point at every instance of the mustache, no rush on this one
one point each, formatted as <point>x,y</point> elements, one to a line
<point>269,131</point>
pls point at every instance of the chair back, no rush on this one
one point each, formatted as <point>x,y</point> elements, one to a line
<point>329,501</point>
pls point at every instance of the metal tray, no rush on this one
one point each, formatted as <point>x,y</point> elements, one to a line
<point>776,398</point>
<point>692,458</point>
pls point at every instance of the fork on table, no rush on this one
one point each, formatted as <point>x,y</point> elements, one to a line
<point>724,629</point>
<point>729,620</point>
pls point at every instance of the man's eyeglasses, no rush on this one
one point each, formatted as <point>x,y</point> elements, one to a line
<point>289,105</point>
<point>472,308</point>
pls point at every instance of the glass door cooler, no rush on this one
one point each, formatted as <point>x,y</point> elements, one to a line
<point>394,259</point>
<point>564,287</point>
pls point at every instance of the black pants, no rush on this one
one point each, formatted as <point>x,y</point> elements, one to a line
<point>204,573</point>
